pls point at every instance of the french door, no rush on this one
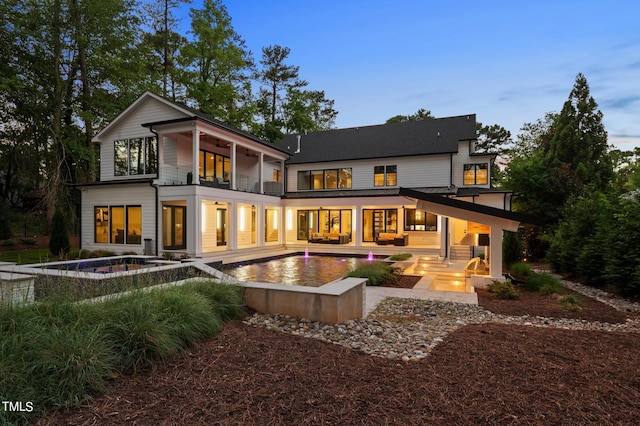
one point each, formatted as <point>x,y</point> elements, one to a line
<point>174,227</point>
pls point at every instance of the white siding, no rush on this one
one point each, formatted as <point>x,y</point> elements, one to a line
<point>462,158</point>
<point>424,171</point>
<point>131,127</point>
<point>117,195</point>
<point>149,111</point>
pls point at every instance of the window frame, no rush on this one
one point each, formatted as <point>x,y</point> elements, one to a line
<point>385,175</point>
<point>210,160</point>
<point>412,221</point>
<point>316,180</point>
<point>473,168</point>
<point>143,163</point>
<point>107,213</point>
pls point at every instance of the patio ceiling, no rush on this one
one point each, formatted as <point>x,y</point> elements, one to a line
<point>451,207</point>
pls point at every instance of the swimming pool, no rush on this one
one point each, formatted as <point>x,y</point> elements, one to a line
<point>312,271</point>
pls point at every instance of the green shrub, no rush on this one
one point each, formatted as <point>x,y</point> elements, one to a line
<point>59,240</point>
<point>544,283</point>
<point>511,248</point>
<point>101,253</point>
<point>571,302</point>
<point>8,243</point>
<point>376,273</point>
<point>168,255</point>
<point>84,254</point>
<point>58,354</point>
<point>225,299</point>
<point>28,241</point>
<point>5,226</point>
<point>400,257</point>
<point>547,289</point>
<point>521,268</point>
<point>503,290</point>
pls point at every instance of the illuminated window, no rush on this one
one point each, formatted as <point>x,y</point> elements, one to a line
<point>385,175</point>
<point>118,225</point>
<point>476,174</point>
<point>330,179</point>
<point>344,178</point>
<point>102,225</point>
<point>211,165</point>
<point>420,220</point>
<point>324,179</point>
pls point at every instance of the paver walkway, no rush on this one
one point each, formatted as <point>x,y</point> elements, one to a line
<point>374,295</point>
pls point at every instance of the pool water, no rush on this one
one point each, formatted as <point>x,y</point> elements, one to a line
<point>312,271</point>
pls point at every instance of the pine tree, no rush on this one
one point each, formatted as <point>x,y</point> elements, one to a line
<point>59,241</point>
<point>578,149</point>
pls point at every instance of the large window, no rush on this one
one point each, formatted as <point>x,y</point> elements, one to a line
<point>102,225</point>
<point>476,174</point>
<point>135,156</point>
<point>420,220</point>
<point>324,179</point>
<point>212,165</point>
<point>325,221</point>
<point>118,225</point>
<point>376,221</point>
<point>385,175</point>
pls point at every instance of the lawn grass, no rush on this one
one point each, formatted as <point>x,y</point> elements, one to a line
<point>22,257</point>
<point>57,353</point>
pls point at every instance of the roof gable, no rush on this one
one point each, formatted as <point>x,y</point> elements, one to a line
<point>148,107</point>
<point>424,137</point>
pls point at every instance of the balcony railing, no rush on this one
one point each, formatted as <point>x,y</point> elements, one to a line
<point>181,176</point>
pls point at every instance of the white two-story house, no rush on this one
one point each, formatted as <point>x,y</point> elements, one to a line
<point>175,180</point>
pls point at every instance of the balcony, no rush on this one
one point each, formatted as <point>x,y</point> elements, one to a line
<point>170,175</point>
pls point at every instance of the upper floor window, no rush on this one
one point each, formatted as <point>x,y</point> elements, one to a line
<point>420,220</point>
<point>476,174</point>
<point>385,175</point>
<point>135,156</point>
<point>211,165</point>
<point>277,175</point>
<point>324,179</point>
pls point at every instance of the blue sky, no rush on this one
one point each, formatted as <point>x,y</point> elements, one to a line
<point>509,62</point>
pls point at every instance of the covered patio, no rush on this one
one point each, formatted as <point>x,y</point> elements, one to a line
<point>497,220</point>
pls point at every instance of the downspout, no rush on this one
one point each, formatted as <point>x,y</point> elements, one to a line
<point>451,169</point>
<point>80,219</point>
<point>156,189</point>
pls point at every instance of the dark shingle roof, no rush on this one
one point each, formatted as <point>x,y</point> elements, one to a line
<point>424,137</point>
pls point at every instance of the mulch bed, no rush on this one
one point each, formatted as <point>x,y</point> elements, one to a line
<point>534,304</point>
<point>480,374</point>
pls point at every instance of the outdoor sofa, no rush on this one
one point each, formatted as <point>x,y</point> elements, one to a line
<point>328,238</point>
<point>391,238</point>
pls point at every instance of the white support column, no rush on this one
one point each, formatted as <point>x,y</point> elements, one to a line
<point>196,156</point>
<point>260,173</point>
<point>233,158</point>
<point>495,252</point>
<point>445,238</point>
<point>232,226</point>
<point>357,229</point>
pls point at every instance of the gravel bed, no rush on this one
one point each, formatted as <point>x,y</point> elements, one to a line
<point>408,329</point>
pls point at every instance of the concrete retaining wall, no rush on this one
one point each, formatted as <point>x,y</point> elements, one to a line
<point>333,303</point>
<point>16,288</point>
